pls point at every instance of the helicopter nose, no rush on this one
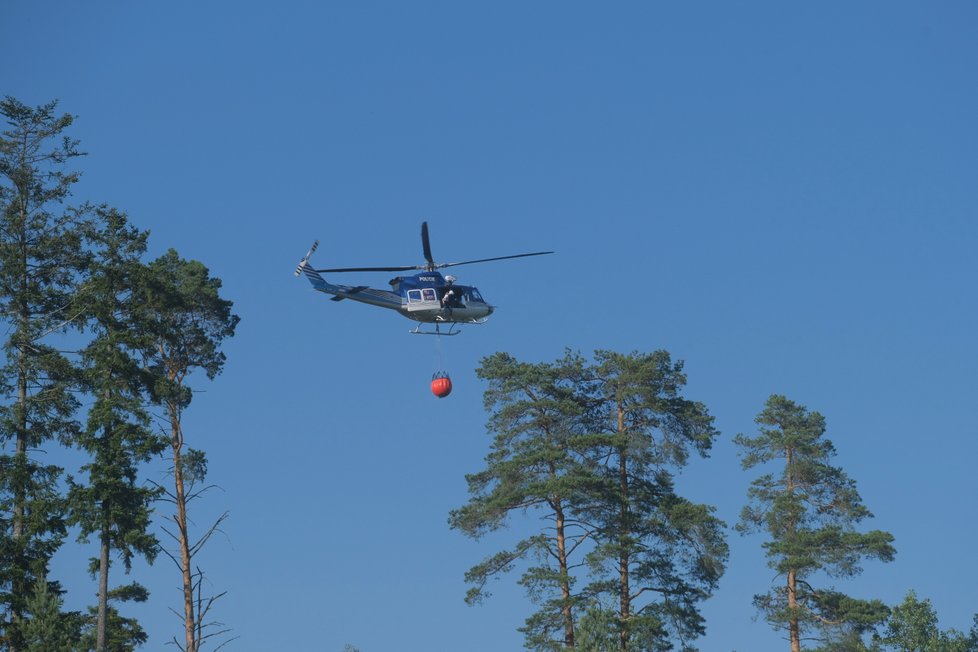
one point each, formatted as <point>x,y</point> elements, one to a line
<point>491,310</point>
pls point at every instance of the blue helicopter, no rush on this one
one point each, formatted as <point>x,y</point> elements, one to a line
<point>427,297</point>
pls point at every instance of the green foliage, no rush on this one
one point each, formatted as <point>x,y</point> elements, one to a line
<point>656,554</point>
<point>41,262</point>
<point>912,627</point>
<point>809,510</point>
<point>48,629</point>
<point>193,464</point>
<point>118,434</point>
<point>535,465</point>
<point>587,447</point>
<point>851,620</point>
<point>597,629</point>
<point>122,634</point>
<point>150,326</point>
<point>185,320</point>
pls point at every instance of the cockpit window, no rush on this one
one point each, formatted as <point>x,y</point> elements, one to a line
<point>475,295</point>
<point>414,296</point>
<point>429,294</point>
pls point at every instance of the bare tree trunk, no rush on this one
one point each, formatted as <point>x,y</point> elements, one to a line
<point>189,619</point>
<point>103,591</point>
<point>793,631</point>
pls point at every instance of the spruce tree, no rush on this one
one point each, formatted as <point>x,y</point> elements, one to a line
<point>48,629</point>
<point>118,436</point>
<point>121,634</point>
<point>809,510</point>
<point>41,257</point>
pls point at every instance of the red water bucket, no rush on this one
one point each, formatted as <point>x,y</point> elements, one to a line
<point>441,385</point>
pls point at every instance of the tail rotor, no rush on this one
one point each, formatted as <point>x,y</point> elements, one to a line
<point>305,259</point>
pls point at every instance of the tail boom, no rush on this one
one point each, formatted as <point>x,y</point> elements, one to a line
<point>361,293</point>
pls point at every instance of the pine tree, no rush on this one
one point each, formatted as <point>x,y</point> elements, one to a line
<point>657,554</point>
<point>41,257</point>
<point>588,448</point>
<point>186,321</point>
<point>534,466</point>
<point>809,509</point>
<point>118,435</point>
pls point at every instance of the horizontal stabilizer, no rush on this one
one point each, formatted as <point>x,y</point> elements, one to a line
<point>350,292</point>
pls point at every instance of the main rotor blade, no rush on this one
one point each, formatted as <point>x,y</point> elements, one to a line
<point>485,260</point>
<point>425,244</point>
<point>403,268</point>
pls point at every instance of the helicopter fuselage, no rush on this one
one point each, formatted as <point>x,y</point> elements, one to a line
<point>426,297</point>
<point>429,297</point>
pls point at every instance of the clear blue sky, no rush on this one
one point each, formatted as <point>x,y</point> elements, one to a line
<point>781,194</point>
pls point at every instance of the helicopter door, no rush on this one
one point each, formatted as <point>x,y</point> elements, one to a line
<point>423,299</point>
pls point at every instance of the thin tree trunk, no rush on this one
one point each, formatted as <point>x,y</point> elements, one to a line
<point>625,600</point>
<point>20,454</point>
<point>565,590</point>
<point>793,631</point>
<point>103,590</point>
<point>101,624</point>
<point>189,619</point>
<point>19,585</point>
<point>21,471</point>
<point>21,339</point>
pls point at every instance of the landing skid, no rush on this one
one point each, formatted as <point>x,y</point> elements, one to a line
<point>451,330</point>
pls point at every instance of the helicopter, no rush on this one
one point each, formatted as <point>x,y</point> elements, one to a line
<point>427,297</point>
